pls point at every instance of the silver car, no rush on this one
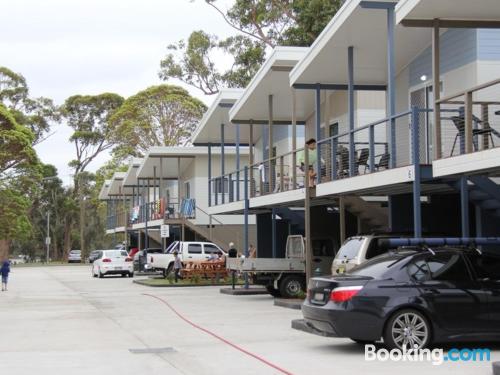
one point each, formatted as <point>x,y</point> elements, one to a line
<point>75,256</point>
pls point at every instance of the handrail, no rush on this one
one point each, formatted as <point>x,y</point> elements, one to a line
<point>465,92</point>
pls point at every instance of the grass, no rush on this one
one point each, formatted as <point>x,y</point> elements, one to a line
<point>43,264</point>
<point>168,282</point>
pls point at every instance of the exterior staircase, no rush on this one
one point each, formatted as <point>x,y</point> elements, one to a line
<point>370,213</point>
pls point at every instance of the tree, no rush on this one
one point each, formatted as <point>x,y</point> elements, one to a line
<point>19,169</point>
<point>88,116</point>
<point>261,24</point>
<point>162,115</point>
<point>36,114</point>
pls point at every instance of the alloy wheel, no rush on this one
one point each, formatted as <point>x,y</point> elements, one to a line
<point>410,329</point>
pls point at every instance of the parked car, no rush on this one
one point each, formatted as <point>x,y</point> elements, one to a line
<point>112,262</point>
<point>141,261</point>
<point>410,297</point>
<point>93,256</point>
<point>75,256</point>
<point>358,249</point>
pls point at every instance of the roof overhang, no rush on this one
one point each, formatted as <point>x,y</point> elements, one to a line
<point>365,30</point>
<point>272,79</point>
<point>103,194</point>
<point>451,13</point>
<point>130,178</point>
<point>115,187</point>
<point>208,130</point>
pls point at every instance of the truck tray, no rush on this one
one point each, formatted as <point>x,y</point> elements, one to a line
<point>265,265</point>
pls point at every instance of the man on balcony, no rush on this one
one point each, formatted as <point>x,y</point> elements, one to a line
<point>311,153</point>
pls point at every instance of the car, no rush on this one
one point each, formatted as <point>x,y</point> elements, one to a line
<point>112,262</point>
<point>141,259</point>
<point>93,256</point>
<point>75,256</point>
<point>411,296</point>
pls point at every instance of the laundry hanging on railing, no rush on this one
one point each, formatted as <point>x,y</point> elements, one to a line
<point>188,206</point>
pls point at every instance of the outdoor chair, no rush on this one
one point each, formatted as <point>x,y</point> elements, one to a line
<point>383,161</point>
<point>459,122</point>
<point>364,154</point>
<point>343,167</point>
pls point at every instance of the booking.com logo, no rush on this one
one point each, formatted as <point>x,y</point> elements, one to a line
<point>436,356</point>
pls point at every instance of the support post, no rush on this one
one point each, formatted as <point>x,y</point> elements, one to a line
<point>250,161</point>
<point>271,181</point>
<point>391,86</point>
<point>237,162</point>
<point>273,231</point>
<point>350,107</point>
<point>209,175</point>
<point>146,238</point>
<point>294,138</point>
<point>436,73</point>
<point>307,219</point>
<point>245,222</point>
<point>318,136</point>
<point>342,220</point>
<point>468,123</point>
<point>417,215</point>
<point>222,171</point>
<point>464,206</point>
<point>179,185</point>
<point>371,145</point>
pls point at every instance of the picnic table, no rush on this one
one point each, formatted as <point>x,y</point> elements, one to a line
<point>208,269</point>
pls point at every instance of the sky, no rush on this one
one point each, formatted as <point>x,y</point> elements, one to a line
<point>68,47</point>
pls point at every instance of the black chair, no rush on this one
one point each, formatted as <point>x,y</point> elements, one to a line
<point>383,162</point>
<point>459,122</point>
<point>364,154</point>
<point>343,169</point>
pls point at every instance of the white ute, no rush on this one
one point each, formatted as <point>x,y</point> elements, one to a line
<point>187,250</point>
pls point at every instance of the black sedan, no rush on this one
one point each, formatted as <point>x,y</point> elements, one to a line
<point>411,297</point>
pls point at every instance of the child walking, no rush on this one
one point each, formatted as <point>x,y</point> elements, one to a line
<point>5,270</point>
<point>177,266</point>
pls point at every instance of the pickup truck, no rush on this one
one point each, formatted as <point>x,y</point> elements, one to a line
<point>187,250</point>
<point>286,277</point>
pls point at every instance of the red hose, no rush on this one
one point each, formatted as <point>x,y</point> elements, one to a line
<point>219,337</point>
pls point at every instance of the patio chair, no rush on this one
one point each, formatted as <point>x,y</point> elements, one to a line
<point>364,154</point>
<point>383,162</point>
<point>343,169</point>
<point>459,122</point>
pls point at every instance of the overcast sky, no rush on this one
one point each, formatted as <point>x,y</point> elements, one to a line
<point>67,47</point>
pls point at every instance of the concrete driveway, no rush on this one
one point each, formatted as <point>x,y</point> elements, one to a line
<point>59,320</point>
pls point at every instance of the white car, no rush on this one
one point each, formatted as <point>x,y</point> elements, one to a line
<point>113,262</point>
<point>75,256</point>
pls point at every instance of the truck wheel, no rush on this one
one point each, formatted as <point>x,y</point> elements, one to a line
<point>292,286</point>
<point>273,292</point>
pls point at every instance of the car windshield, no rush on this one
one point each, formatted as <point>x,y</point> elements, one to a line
<point>350,248</point>
<point>116,253</point>
<point>377,267</point>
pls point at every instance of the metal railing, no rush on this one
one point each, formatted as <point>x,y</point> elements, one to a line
<point>469,120</point>
<point>362,150</point>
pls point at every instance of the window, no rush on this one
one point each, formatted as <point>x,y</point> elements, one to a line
<point>187,190</point>
<point>419,270</point>
<point>211,249</point>
<point>350,249</point>
<point>322,248</point>
<point>194,248</point>
<point>486,266</point>
<point>217,186</point>
<point>376,268</point>
<point>334,129</point>
<point>440,267</point>
<point>375,249</point>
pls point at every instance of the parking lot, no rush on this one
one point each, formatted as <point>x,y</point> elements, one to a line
<point>59,320</point>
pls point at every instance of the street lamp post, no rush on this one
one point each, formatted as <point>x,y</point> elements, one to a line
<point>47,239</point>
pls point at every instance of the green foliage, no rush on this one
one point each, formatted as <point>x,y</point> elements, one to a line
<point>36,114</point>
<point>14,221</point>
<point>163,115</point>
<point>260,24</point>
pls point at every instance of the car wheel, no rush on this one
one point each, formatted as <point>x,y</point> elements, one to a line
<point>130,274</point>
<point>292,286</point>
<point>93,273</point>
<point>101,275</point>
<point>124,274</point>
<point>273,292</point>
<point>407,328</point>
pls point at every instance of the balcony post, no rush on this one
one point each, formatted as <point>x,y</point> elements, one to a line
<point>350,106</point>
<point>146,239</point>
<point>245,218</point>
<point>468,123</point>
<point>391,86</point>
<point>371,145</point>
<point>270,140</point>
<point>250,161</point>
<point>222,172</point>
<point>318,136</point>
<point>294,139</point>
<point>210,175</point>
<point>417,216</point>
<point>273,231</point>
<point>237,162</point>
<point>437,90</point>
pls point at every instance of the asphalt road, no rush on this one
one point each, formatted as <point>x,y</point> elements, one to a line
<point>59,320</point>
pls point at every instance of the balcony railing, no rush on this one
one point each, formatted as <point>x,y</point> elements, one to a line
<point>470,120</point>
<point>163,209</point>
<point>359,151</point>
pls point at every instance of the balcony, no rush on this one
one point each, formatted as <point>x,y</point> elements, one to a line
<point>354,160</point>
<point>468,133</point>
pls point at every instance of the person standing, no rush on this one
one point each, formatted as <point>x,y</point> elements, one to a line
<point>5,270</point>
<point>232,252</point>
<point>252,251</point>
<point>177,266</point>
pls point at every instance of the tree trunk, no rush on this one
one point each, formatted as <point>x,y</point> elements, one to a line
<point>67,239</point>
<point>82,227</point>
<point>4,249</point>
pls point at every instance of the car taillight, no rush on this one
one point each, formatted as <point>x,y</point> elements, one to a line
<point>128,259</point>
<point>344,293</point>
<point>106,260</point>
